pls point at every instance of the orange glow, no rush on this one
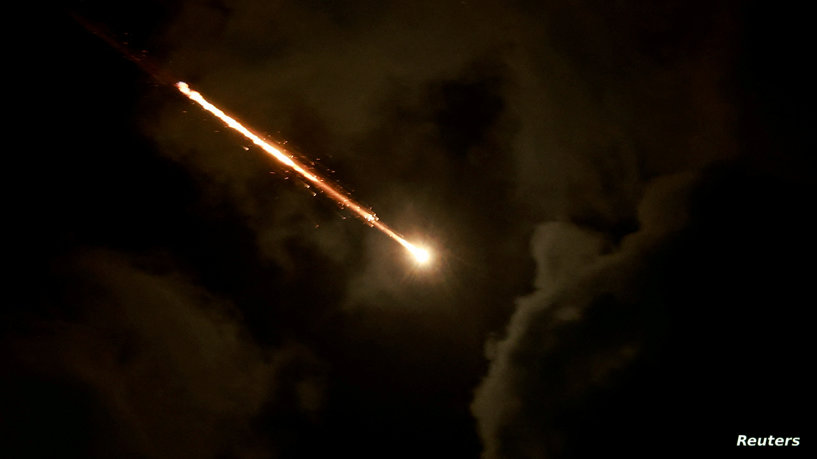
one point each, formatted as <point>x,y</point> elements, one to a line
<point>421,255</point>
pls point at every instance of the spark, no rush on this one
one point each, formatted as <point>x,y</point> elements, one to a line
<point>421,255</point>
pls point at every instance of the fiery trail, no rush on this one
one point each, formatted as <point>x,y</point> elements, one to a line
<point>420,254</point>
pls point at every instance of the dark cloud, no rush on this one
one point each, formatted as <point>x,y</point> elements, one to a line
<point>168,366</point>
<point>589,318</point>
<point>653,341</point>
<point>609,97</point>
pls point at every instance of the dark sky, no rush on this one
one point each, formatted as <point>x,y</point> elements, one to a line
<point>618,195</point>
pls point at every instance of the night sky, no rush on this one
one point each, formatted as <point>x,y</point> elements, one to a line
<point>618,195</point>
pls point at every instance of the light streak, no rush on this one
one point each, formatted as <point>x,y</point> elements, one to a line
<point>420,254</point>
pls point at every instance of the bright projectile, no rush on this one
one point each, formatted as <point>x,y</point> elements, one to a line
<point>420,254</point>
